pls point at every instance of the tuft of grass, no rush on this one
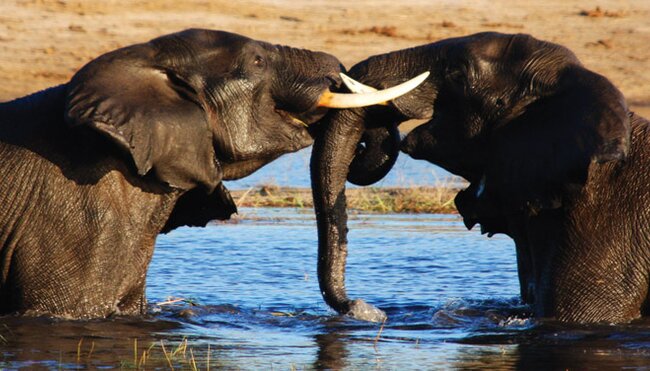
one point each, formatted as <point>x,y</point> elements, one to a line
<point>403,200</point>
<point>387,31</point>
<point>434,200</point>
<point>269,195</point>
<point>599,13</point>
<point>157,355</point>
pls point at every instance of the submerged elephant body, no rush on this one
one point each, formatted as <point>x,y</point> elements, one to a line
<point>137,144</point>
<point>586,256</point>
<point>553,157</point>
<point>72,242</point>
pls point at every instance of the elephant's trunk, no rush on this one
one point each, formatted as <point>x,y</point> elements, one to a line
<point>375,155</point>
<point>337,155</point>
<point>332,154</point>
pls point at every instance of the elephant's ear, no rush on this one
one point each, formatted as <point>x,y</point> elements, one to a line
<point>540,155</point>
<point>147,111</point>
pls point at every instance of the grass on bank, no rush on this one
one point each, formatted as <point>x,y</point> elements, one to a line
<point>434,200</point>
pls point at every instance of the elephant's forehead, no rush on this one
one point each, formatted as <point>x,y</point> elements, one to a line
<point>212,37</point>
<point>486,65</point>
<point>503,47</point>
<point>493,49</point>
<point>199,42</point>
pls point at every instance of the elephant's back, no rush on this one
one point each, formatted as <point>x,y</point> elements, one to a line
<point>25,113</point>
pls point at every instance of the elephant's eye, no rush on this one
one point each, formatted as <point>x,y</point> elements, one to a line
<point>457,78</point>
<point>259,61</point>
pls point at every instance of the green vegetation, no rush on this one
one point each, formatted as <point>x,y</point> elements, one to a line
<point>435,200</point>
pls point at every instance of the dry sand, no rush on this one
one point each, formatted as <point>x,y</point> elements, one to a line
<point>43,42</point>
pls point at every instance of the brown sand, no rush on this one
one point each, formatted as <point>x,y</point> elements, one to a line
<point>43,42</point>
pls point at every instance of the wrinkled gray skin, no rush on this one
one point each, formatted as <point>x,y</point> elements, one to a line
<point>553,157</point>
<point>138,143</point>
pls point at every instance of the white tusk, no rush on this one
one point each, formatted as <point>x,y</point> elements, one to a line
<point>355,86</point>
<point>368,98</point>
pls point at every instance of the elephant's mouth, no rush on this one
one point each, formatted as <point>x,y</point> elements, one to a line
<point>303,120</point>
<point>361,96</point>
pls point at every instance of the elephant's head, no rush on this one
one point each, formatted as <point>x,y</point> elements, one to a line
<point>516,116</point>
<point>198,106</point>
<point>521,119</point>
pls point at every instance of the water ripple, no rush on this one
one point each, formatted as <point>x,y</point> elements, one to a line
<point>251,293</point>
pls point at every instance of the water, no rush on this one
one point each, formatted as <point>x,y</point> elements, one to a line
<point>293,170</point>
<point>450,294</point>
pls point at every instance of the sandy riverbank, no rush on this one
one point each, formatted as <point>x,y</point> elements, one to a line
<point>43,42</point>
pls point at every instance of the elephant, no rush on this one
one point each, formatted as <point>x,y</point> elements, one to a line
<point>552,154</point>
<point>137,143</point>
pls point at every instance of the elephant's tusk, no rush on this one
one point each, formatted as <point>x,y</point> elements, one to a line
<point>367,97</point>
<point>358,88</point>
<point>355,86</point>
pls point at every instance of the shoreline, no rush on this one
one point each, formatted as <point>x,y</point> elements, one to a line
<point>415,200</point>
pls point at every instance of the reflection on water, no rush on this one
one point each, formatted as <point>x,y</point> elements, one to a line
<point>55,344</point>
<point>450,296</point>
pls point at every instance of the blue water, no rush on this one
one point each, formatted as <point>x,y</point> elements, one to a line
<point>293,170</point>
<point>427,273</point>
<point>252,303</point>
